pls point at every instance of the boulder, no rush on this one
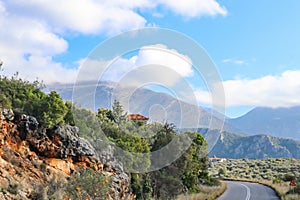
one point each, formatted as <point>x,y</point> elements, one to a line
<point>27,124</point>
<point>70,142</point>
<point>8,114</point>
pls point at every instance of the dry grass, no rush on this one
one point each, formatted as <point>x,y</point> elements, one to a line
<point>209,193</point>
<point>281,190</point>
<point>292,197</point>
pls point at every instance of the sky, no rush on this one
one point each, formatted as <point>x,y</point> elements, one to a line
<point>255,45</point>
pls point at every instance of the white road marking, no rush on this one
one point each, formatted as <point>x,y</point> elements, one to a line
<point>248,191</point>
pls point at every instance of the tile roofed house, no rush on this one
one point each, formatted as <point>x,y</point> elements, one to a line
<point>137,117</point>
<point>215,159</point>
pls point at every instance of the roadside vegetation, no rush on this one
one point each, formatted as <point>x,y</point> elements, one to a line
<point>207,192</point>
<point>274,172</point>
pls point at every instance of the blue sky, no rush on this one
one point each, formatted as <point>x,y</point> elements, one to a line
<point>254,44</point>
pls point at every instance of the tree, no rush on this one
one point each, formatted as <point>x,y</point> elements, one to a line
<point>4,101</point>
<point>53,110</point>
<point>105,115</point>
<point>164,135</point>
<point>134,152</point>
<point>69,118</point>
<point>194,162</point>
<point>187,171</point>
<point>20,94</point>
<point>118,113</point>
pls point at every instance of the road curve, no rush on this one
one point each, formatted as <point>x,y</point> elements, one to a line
<point>237,190</point>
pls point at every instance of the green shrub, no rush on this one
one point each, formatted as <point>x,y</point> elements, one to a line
<point>276,181</point>
<point>13,188</point>
<point>88,184</point>
<point>288,177</point>
<point>43,167</point>
<point>25,97</point>
<point>222,171</point>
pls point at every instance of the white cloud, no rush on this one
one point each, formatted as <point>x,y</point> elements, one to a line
<point>27,46</point>
<point>82,16</point>
<point>2,8</point>
<point>93,17</point>
<point>130,4</point>
<point>235,61</point>
<point>43,68</point>
<point>104,70</point>
<point>194,8</point>
<point>267,91</point>
<point>159,59</point>
<point>158,15</point>
<point>25,35</point>
<point>161,55</point>
<point>33,32</point>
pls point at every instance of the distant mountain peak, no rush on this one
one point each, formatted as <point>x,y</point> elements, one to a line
<point>279,122</point>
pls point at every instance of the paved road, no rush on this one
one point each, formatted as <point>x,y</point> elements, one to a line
<point>237,190</point>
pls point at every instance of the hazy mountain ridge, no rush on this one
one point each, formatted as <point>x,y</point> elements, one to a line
<point>279,122</point>
<point>231,145</point>
<point>142,101</point>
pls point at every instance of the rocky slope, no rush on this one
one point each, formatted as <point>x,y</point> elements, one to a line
<point>231,145</point>
<point>31,158</point>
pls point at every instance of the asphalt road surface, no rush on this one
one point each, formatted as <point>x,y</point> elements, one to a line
<point>237,190</point>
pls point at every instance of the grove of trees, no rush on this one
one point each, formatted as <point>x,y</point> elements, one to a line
<point>25,97</point>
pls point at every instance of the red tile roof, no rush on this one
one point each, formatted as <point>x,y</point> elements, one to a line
<point>136,117</point>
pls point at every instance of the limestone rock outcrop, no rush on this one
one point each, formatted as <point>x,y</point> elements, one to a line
<point>29,156</point>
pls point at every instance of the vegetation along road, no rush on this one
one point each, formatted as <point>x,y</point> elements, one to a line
<point>237,190</point>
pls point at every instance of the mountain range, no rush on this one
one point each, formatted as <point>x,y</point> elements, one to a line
<point>279,122</point>
<point>157,106</point>
<point>237,146</point>
<point>258,134</point>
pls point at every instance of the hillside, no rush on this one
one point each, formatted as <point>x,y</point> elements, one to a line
<point>36,164</point>
<point>158,106</point>
<point>279,122</point>
<point>231,145</point>
<point>90,159</point>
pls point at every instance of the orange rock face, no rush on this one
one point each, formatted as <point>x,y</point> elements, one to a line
<point>28,156</point>
<point>63,165</point>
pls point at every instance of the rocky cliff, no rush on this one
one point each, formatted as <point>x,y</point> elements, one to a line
<point>231,145</point>
<point>31,158</point>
